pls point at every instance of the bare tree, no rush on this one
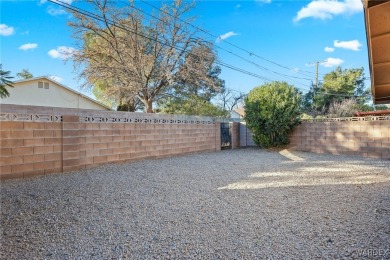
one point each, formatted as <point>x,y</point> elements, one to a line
<point>230,98</point>
<point>344,108</point>
<point>141,58</point>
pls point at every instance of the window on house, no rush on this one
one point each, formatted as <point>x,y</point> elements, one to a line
<point>42,84</point>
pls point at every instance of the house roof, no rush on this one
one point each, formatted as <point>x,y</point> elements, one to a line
<point>240,111</point>
<point>63,86</point>
<point>377,19</point>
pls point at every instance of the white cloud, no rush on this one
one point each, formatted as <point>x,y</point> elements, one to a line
<point>55,11</point>
<point>52,10</point>
<point>28,46</point>
<point>332,62</point>
<point>295,69</point>
<point>225,36</point>
<point>62,52</point>
<point>329,49</point>
<point>349,45</point>
<point>327,9</point>
<point>264,1</point>
<point>25,33</point>
<point>56,78</point>
<point>6,30</point>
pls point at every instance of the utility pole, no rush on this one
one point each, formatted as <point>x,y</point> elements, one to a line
<point>317,63</point>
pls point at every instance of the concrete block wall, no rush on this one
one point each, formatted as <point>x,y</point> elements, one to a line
<point>218,136</point>
<point>72,142</point>
<point>361,138</point>
<point>92,144</point>
<point>235,135</point>
<point>30,148</point>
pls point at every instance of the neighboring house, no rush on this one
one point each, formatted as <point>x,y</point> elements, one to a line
<point>43,91</point>
<point>237,113</point>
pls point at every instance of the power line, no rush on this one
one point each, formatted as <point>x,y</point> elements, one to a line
<point>94,16</point>
<point>228,51</point>
<point>229,43</point>
<point>97,17</point>
<point>108,21</point>
<point>343,95</point>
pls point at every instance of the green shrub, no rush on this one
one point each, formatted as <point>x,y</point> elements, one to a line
<point>193,105</point>
<point>271,112</point>
<point>305,116</point>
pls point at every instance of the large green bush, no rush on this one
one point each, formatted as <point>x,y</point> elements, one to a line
<point>271,112</point>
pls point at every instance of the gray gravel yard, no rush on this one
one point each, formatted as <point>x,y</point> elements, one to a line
<point>237,204</point>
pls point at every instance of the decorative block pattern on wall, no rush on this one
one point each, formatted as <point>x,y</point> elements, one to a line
<point>91,144</point>
<point>32,145</point>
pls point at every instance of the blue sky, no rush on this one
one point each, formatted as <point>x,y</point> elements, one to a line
<point>292,34</point>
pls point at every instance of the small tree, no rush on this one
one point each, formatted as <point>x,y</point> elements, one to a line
<point>337,85</point>
<point>193,105</point>
<point>271,112</point>
<point>5,81</point>
<point>345,108</point>
<point>24,74</point>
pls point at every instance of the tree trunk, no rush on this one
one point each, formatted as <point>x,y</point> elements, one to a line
<point>149,106</point>
<point>131,107</point>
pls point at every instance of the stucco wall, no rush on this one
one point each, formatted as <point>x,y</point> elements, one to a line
<point>28,93</point>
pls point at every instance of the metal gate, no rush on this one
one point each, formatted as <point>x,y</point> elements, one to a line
<point>225,136</point>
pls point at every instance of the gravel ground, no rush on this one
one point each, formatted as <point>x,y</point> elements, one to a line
<point>241,204</point>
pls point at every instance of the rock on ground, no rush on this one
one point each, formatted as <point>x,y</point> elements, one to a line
<point>237,204</point>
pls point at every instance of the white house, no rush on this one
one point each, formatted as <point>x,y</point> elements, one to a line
<point>43,91</point>
<point>237,113</point>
